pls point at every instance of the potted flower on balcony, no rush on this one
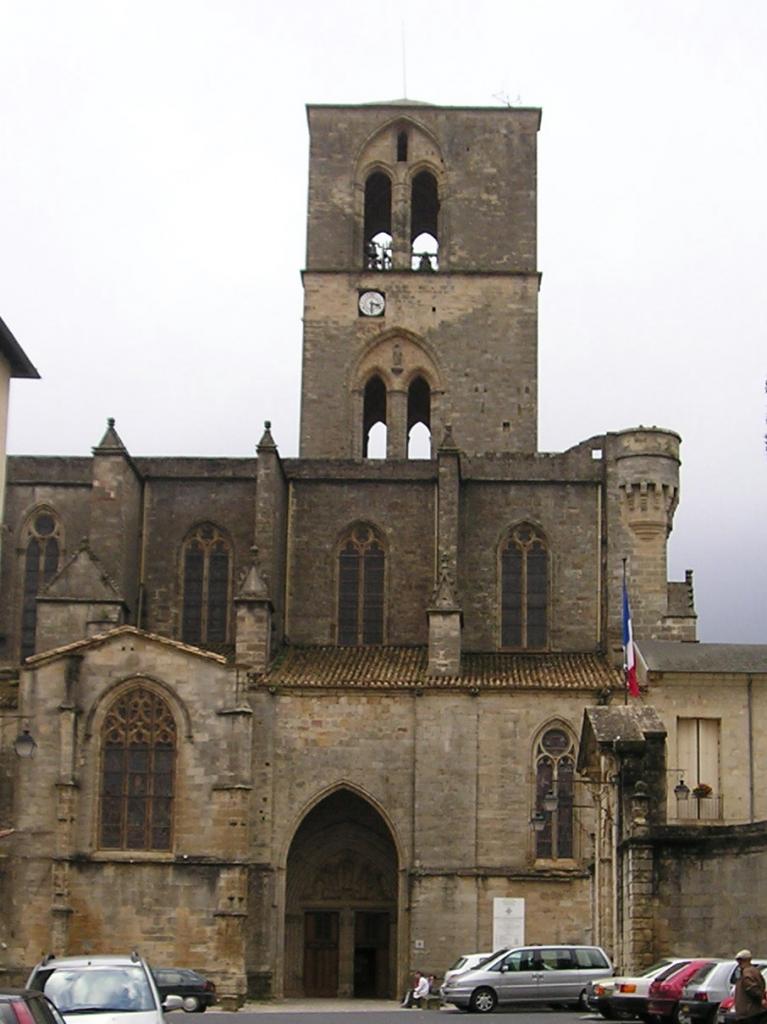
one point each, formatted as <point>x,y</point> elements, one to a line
<point>702,790</point>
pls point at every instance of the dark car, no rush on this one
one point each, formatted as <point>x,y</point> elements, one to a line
<point>664,995</point>
<point>25,1006</point>
<point>198,993</point>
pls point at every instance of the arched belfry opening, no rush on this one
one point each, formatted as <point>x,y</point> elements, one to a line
<point>419,419</point>
<point>377,238</point>
<point>374,419</point>
<point>341,902</point>
<point>424,218</point>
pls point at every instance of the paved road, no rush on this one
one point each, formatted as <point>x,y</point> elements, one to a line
<point>378,1012</point>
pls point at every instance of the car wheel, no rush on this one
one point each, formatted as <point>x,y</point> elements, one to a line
<point>191,1004</point>
<point>483,1000</point>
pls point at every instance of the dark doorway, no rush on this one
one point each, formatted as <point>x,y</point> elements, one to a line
<point>341,891</point>
<point>321,953</point>
<point>371,955</point>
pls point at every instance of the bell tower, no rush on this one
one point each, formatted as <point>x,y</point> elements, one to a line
<point>420,287</point>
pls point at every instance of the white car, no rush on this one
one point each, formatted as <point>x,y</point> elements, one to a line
<point>465,962</point>
<point>626,998</point>
<point>102,989</point>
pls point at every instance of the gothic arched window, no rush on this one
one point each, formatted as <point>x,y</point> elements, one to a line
<point>42,550</point>
<point>377,231</point>
<point>554,779</point>
<point>361,566</point>
<point>524,588</point>
<point>137,772</point>
<point>374,419</point>
<point>419,419</point>
<point>207,575</point>
<point>424,217</point>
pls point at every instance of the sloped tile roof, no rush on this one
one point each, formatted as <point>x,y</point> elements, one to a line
<point>406,667</point>
<point>119,631</point>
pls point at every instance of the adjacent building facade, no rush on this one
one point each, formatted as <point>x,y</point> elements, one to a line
<point>310,723</point>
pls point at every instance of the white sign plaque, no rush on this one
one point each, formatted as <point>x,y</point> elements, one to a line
<point>508,922</point>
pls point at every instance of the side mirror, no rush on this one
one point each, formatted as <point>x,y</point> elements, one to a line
<point>173,1003</point>
<point>504,968</point>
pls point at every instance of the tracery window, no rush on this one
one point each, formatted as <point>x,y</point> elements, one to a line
<point>207,574</point>
<point>555,779</point>
<point>137,772</point>
<point>41,563</point>
<point>361,565</point>
<point>524,588</point>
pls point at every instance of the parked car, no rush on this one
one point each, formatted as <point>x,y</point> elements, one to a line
<point>625,998</point>
<point>197,992</point>
<point>105,989</point>
<point>529,974</point>
<point>665,993</point>
<point>23,1006</point>
<point>467,962</point>
<point>725,1012</point>
<point>706,989</point>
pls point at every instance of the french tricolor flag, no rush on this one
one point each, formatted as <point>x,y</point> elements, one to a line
<point>629,660</point>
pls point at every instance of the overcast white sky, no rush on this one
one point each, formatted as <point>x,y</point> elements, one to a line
<point>153,161</point>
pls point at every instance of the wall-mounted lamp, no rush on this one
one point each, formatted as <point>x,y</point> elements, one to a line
<point>538,821</point>
<point>550,801</point>
<point>24,744</point>
<point>681,790</point>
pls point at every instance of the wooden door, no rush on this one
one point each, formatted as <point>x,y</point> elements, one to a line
<point>321,953</point>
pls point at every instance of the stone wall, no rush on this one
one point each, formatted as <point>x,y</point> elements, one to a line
<point>708,886</point>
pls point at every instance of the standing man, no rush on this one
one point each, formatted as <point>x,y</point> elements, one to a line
<point>749,989</point>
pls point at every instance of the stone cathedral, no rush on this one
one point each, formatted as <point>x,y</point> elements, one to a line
<point>297,719</point>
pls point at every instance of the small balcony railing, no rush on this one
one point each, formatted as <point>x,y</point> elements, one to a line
<point>699,808</point>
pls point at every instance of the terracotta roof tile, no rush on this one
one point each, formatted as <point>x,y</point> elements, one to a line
<point>406,668</point>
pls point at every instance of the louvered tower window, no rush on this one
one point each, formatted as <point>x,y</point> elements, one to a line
<point>361,566</point>
<point>41,563</point>
<point>137,775</point>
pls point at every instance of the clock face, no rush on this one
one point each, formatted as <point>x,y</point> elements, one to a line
<point>372,303</point>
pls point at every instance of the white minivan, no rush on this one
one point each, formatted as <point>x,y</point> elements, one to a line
<point>529,974</point>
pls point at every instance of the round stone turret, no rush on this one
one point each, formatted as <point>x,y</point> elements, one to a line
<point>647,470</point>
<point>642,475</point>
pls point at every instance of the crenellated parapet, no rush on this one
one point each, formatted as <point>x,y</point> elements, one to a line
<point>647,477</point>
<point>642,493</point>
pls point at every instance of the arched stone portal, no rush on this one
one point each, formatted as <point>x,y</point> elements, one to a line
<point>341,902</point>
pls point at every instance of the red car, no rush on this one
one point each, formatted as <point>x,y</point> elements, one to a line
<point>663,996</point>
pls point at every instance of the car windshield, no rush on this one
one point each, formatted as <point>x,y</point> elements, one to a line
<point>459,963</point>
<point>655,968</point>
<point>97,989</point>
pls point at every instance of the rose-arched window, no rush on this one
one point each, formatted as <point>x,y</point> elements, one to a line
<point>207,582</point>
<point>554,793</point>
<point>138,754</point>
<point>42,551</point>
<point>361,566</point>
<point>524,588</point>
